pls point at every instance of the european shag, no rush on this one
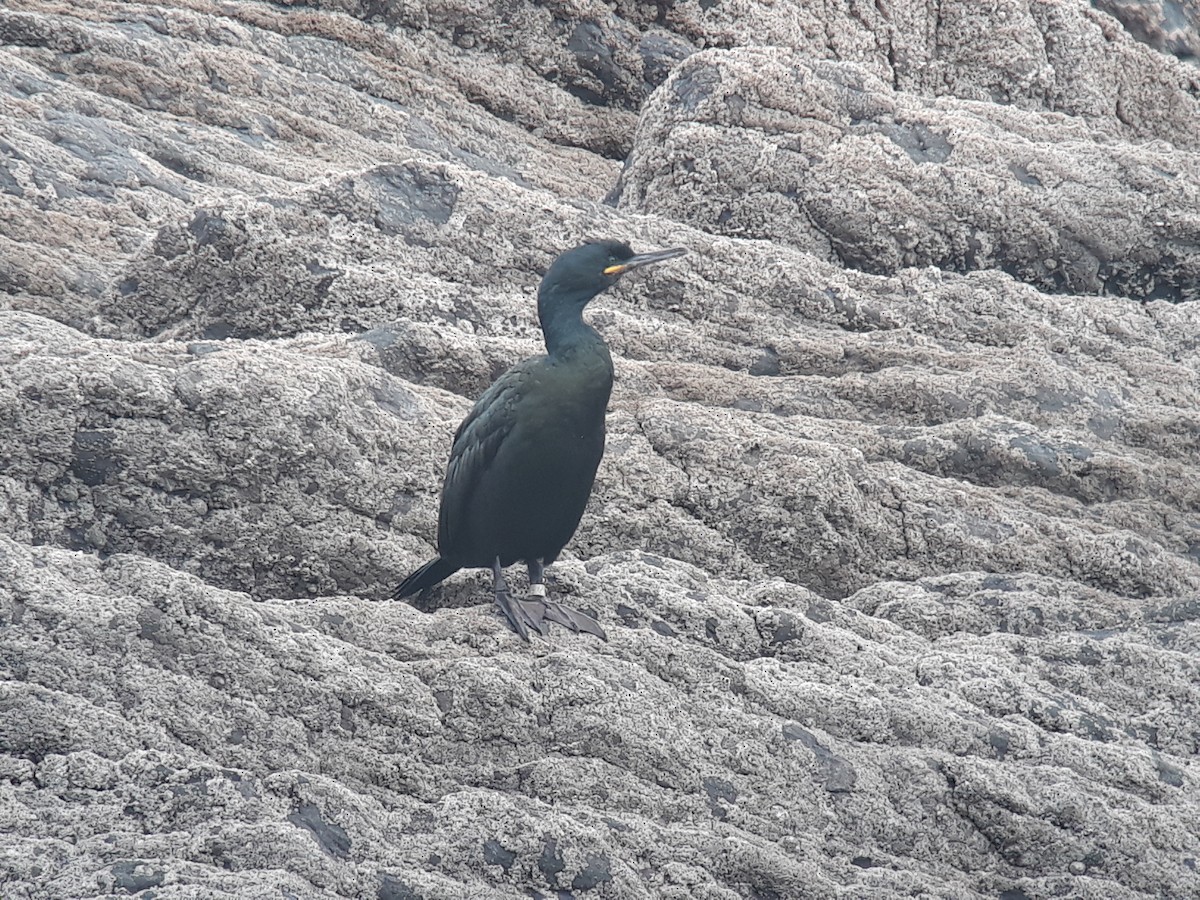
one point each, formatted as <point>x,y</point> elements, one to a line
<point>523,461</point>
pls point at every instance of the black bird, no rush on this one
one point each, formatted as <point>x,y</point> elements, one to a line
<point>523,461</point>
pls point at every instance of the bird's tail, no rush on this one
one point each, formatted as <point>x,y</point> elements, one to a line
<point>425,577</point>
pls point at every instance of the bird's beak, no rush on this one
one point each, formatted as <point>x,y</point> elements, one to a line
<point>644,259</point>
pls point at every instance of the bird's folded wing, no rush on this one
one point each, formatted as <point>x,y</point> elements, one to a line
<point>476,444</point>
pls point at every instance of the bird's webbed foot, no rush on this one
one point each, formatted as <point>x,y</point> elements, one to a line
<point>572,618</point>
<point>523,615</point>
<point>532,613</point>
<point>556,612</point>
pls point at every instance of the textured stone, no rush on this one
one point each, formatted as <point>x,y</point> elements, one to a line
<point>765,143</point>
<point>897,539</point>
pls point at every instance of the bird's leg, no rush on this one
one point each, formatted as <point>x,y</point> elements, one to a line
<point>537,578</point>
<point>556,612</point>
<point>522,616</point>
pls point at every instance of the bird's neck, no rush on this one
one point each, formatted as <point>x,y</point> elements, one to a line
<point>566,332</point>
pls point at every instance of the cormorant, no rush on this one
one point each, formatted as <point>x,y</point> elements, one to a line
<point>523,460</point>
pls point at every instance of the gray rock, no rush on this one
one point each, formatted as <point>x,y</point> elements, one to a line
<point>765,143</point>
<point>897,539</point>
<point>1172,26</point>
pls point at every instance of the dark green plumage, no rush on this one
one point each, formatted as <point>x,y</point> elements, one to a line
<point>524,459</point>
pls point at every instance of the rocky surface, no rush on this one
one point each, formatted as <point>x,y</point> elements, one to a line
<point>766,143</point>
<point>897,540</point>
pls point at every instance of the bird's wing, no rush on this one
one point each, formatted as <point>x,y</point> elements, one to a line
<point>476,444</point>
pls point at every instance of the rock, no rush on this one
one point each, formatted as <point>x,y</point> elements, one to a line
<point>764,143</point>
<point>1169,26</point>
<point>896,540</point>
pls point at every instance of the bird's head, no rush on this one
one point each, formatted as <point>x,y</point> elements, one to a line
<point>580,274</point>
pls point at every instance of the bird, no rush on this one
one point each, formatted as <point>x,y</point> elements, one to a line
<point>523,461</point>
